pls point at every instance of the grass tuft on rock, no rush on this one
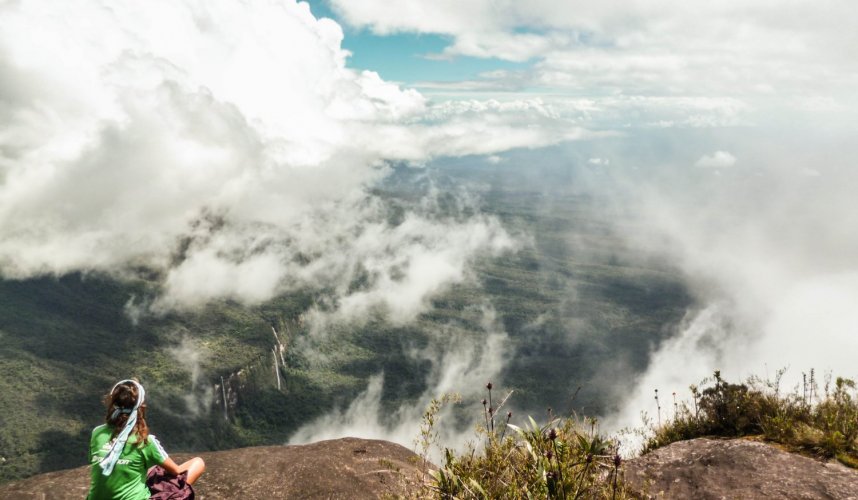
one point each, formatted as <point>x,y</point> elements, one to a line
<point>564,458</point>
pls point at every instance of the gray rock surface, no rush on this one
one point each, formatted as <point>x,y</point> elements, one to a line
<point>353,468</point>
<point>737,469</point>
<point>347,468</point>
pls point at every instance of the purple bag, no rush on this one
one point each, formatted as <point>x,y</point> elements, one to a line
<point>165,486</point>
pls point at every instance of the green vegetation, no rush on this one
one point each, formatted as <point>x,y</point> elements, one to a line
<point>64,341</point>
<point>822,424</point>
<point>571,299</point>
<point>566,458</point>
<point>557,460</point>
<point>574,298</point>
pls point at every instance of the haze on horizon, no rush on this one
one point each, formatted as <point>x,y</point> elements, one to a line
<point>253,133</point>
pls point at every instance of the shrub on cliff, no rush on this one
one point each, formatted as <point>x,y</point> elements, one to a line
<point>823,424</point>
<point>566,458</point>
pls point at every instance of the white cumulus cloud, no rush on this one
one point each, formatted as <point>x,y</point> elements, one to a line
<point>718,159</point>
<point>226,145</point>
<point>766,55</point>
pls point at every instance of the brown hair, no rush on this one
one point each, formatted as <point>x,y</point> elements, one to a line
<point>124,396</point>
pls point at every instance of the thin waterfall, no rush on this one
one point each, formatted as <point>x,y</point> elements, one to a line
<point>276,368</point>
<point>279,347</point>
<point>223,388</point>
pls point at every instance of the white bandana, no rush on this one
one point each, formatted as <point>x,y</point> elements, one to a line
<point>108,462</point>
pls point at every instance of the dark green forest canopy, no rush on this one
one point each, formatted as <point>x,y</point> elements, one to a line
<point>576,303</point>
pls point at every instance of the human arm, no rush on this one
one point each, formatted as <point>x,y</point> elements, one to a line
<point>194,467</point>
<point>158,456</point>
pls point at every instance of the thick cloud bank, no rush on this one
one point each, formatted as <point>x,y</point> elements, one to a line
<point>227,145</point>
<point>768,250</point>
<point>661,47</point>
<point>663,63</point>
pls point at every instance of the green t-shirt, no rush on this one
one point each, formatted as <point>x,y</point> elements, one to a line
<point>128,479</point>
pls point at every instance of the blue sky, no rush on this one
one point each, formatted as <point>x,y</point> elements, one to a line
<point>401,57</point>
<point>661,58</point>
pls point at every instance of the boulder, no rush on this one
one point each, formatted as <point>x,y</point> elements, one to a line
<point>347,468</point>
<point>736,468</point>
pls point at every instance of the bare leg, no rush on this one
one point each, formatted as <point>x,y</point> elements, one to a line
<point>195,468</point>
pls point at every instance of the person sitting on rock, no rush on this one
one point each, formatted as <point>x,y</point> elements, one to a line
<point>122,452</point>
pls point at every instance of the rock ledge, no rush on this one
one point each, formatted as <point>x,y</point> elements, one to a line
<point>737,468</point>
<point>347,468</point>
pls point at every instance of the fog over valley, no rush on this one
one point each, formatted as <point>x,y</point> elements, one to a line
<point>288,237</point>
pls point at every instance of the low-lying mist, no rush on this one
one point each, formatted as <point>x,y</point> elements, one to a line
<point>580,261</point>
<point>763,240</point>
<point>662,256</point>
